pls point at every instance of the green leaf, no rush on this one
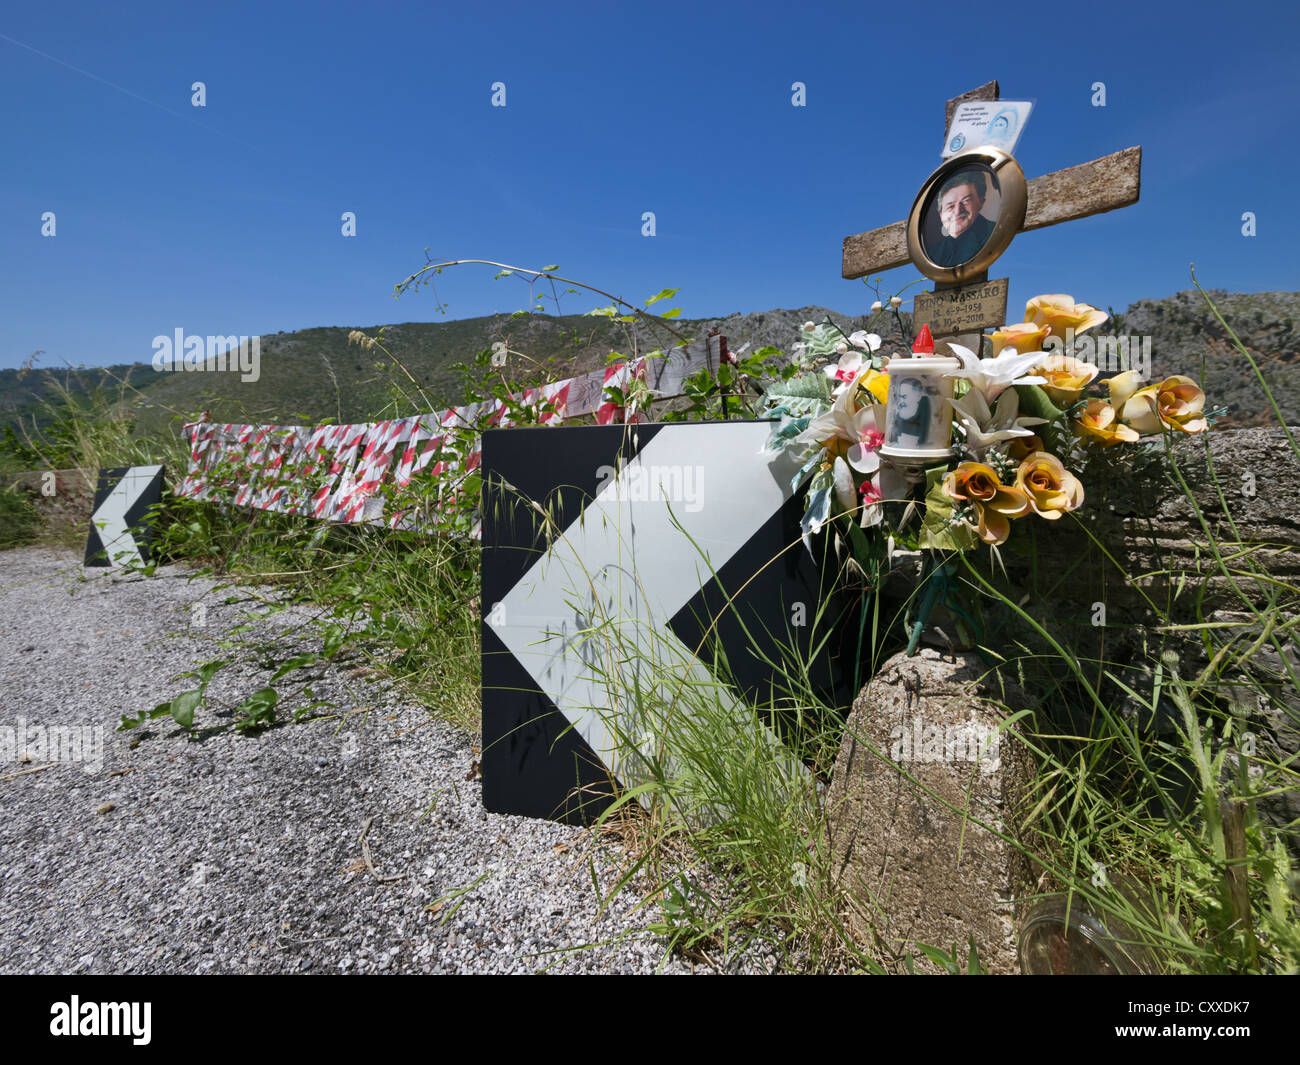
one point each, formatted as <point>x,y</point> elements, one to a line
<point>504,273</point>
<point>303,711</point>
<point>1035,403</point>
<point>334,637</point>
<point>666,294</point>
<point>548,269</point>
<point>209,670</point>
<point>806,386</point>
<point>183,706</point>
<point>935,531</point>
<point>297,662</point>
<point>258,710</point>
<point>941,958</point>
<point>671,314</point>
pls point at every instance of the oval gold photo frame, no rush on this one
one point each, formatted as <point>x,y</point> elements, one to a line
<point>1008,178</point>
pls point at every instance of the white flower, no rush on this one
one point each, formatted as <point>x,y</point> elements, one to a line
<point>887,484</point>
<point>864,455</point>
<point>895,301</point>
<point>808,327</point>
<point>846,370</point>
<point>985,427</point>
<point>992,376</point>
<point>877,306</point>
<point>840,425</point>
<point>841,348</point>
<point>864,340</point>
<point>845,494</point>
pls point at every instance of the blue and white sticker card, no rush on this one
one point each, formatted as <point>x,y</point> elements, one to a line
<point>997,123</point>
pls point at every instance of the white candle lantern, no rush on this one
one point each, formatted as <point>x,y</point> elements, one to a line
<point>918,419</point>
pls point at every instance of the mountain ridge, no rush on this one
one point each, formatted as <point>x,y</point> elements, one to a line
<point>316,374</point>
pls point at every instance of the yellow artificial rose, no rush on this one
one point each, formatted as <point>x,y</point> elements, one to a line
<point>1067,377</point>
<point>1176,402</point>
<point>1122,386</point>
<point>1050,488</point>
<point>1060,312</point>
<point>1098,422</point>
<point>1023,336</point>
<point>978,486</point>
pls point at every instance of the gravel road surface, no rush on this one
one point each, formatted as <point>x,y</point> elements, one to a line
<point>152,851</point>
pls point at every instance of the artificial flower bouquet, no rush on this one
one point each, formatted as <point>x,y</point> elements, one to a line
<point>1019,421</point>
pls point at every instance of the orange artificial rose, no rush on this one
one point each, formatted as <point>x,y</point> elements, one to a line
<point>1176,402</point>
<point>1099,423</point>
<point>1067,377</point>
<point>1051,489</point>
<point>1060,312</point>
<point>1021,447</point>
<point>1023,336</point>
<point>978,486</point>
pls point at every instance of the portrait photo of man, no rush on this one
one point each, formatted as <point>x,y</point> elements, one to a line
<point>910,425</point>
<point>964,228</point>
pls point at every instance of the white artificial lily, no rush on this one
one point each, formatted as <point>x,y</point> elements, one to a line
<point>865,341</point>
<point>864,456</point>
<point>886,485</point>
<point>845,494</point>
<point>994,376</point>
<point>845,371</point>
<point>984,427</point>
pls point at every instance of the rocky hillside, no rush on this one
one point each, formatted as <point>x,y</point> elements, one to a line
<point>1187,339</point>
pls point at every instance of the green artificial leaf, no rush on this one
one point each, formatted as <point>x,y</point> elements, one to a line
<point>183,706</point>
<point>1035,403</point>
<point>818,510</point>
<point>822,341</point>
<point>936,533</point>
<point>805,386</point>
<point>866,549</point>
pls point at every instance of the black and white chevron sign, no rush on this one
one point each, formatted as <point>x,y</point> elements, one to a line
<point>654,530</point>
<point>119,534</point>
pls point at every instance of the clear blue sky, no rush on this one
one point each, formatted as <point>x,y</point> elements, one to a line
<point>226,219</point>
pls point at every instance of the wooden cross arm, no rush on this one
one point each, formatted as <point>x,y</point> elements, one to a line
<point>1105,184</point>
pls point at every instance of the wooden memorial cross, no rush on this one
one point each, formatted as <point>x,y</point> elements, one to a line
<point>1090,188</point>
